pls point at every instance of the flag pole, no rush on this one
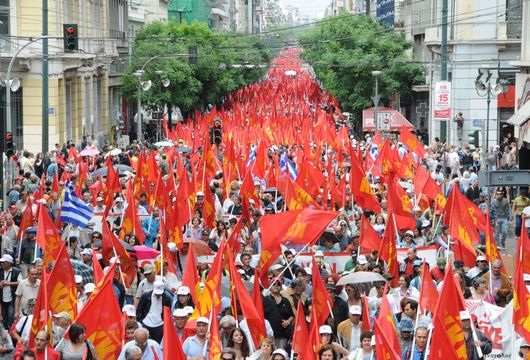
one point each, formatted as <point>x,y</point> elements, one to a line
<point>429,337</point>
<point>119,268</point>
<point>288,265</point>
<point>448,247</point>
<point>414,337</point>
<point>475,338</point>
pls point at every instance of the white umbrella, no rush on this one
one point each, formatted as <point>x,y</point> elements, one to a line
<point>89,151</point>
<point>360,277</point>
<point>164,143</point>
<point>114,152</point>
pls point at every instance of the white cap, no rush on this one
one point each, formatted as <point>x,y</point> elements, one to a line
<point>99,256</point>
<point>526,277</point>
<point>361,260</point>
<point>86,252</point>
<point>309,270</point>
<point>319,253</point>
<point>199,193</point>
<point>99,198</point>
<point>325,329</point>
<point>183,290</point>
<point>172,246</point>
<point>189,309</point>
<point>180,313</point>
<point>89,288</point>
<point>6,258</point>
<point>465,315</point>
<point>78,279</point>
<point>281,352</point>
<point>276,267</point>
<point>409,232</point>
<point>129,310</point>
<point>204,320</point>
<point>119,199</point>
<point>481,258</point>
<point>355,310</point>
<point>114,259</point>
<point>158,287</point>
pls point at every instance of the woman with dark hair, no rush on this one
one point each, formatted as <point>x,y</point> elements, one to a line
<point>77,347</point>
<point>365,351</point>
<point>238,342</point>
<point>326,352</point>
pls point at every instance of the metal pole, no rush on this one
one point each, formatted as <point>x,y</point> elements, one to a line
<point>487,168</point>
<point>45,68</point>
<point>443,68</point>
<point>139,113</point>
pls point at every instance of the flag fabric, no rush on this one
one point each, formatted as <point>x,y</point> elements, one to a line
<point>448,337</point>
<point>521,295</point>
<point>131,223</point>
<point>214,348</point>
<point>74,210</point>
<point>102,319</point>
<point>388,248</point>
<point>171,341</point>
<point>41,313</point>
<point>364,194</point>
<point>428,292</point>
<point>110,247</point>
<point>48,237</point>
<point>62,290</point>
<point>300,332</point>
<point>365,316</point>
<point>286,166</point>
<point>411,142</point>
<point>386,336</point>
<point>425,184</point>
<point>369,238</point>
<point>322,302</point>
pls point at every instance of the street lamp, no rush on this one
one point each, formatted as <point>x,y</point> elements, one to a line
<point>164,82</point>
<point>376,74</point>
<point>145,85</point>
<point>486,88</point>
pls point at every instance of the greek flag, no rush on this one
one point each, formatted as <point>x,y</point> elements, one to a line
<point>287,166</point>
<point>251,156</point>
<point>74,210</point>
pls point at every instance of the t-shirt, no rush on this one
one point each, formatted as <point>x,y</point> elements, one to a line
<point>26,291</point>
<point>67,354</point>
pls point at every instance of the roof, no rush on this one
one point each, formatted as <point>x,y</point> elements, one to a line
<point>521,116</point>
<point>397,120</point>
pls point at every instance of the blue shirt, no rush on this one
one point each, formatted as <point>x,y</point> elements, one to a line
<point>192,347</point>
<point>417,355</point>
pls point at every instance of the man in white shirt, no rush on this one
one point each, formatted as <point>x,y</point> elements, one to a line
<point>147,283</point>
<point>150,307</point>
<point>150,348</point>
<point>350,329</point>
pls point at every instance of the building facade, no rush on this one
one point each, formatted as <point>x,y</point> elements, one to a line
<point>79,81</point>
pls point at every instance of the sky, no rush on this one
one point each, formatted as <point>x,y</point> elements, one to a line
<point>308,7</point>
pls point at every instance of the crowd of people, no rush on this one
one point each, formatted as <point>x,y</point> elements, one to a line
<point>159,284</point>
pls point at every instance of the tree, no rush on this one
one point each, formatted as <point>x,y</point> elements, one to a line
<point>166,47</point>
<point>345,50</point>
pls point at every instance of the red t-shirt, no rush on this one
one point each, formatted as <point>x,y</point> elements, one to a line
<point>52,354</point>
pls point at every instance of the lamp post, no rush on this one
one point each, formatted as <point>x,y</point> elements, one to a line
<point>164,83</point>
<point>487,88</point>
<point>376,74</point>
<point>138,75</point>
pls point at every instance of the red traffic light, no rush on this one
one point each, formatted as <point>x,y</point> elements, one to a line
<point>9,136</point>
<point>70,30</point>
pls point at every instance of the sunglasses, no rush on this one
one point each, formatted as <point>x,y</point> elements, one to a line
<point>227,358</point>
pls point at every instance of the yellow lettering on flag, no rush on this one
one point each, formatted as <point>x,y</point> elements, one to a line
<point>62,299</point>
<point>405,203</point>
<point>105,342</point>
<point>365,186</point>
<point>441,200</point>
<point>471,212</point>
<point>297,230</point>
<point>386,166</point>
<point>456,336</point>
<point>463,235</point>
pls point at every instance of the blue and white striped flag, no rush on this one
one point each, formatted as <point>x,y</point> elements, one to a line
<point>74,210</point>
<point>251,156</point>
<point>287,166</point>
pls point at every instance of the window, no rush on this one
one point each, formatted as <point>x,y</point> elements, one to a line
<point>4,24</point>
<point>68,100</point>
<point>514,16</point>
<point>88,127</point>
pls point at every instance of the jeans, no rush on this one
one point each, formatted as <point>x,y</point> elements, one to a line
<point>8,313</point>
<point>501,230</point>
<point>518,221</point>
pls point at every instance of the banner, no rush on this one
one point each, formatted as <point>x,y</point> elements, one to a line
<point>442,100</point>
<point>496,323</point>
<point>384,11</point>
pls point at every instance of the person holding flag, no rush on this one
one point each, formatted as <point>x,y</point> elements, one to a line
<point>196,347</point>
<point>150,349</point>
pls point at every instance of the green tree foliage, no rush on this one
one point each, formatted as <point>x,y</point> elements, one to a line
<point>165,47</point>
<point>345,50</point>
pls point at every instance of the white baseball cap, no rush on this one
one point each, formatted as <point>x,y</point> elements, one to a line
<point>355,310</point>
<point>281,352</point>
<point>180,313</point>
<point>78,279</point>
<point>465,315</point>
<point>526,277</point>
<point>158,287</point>
<point>129,310</point>
<point>189,309</point>
<point>361,260</point>
<point>183,290</point>
<point>6,258</point>
<point>89,288</point>
<point>86,252</point>
<point>319,253</point>
<point>204,320</point>
<point>325,329</point>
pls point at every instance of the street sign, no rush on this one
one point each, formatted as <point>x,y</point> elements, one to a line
<point>505,178</point>
<point>477,122</point>
<point>384,118</point>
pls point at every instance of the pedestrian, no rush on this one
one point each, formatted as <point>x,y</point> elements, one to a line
<point>77,346</point>
<point>150,307</point>
<point>500,214</point>
<point>519,203</point>
<point>150,349</point>
<point>420,345</point>
<point>474,338</point>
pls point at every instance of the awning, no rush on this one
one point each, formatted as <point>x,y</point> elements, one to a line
<point>396,123</point>
<point>521,116</point>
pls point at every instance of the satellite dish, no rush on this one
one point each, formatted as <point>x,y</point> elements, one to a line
<point>166,82</point>
<point>14,84</point>
<point>146,85</point>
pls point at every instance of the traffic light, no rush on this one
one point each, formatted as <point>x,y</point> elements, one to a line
<point>10,147</point>
<point>473,138</point>
<point>216,132</point>
<point>71,37</point>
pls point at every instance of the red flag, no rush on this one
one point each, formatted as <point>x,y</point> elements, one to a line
<point>388,249</point>
<point>425,184</point>
<point>98,271</point>
<point>214,350</point>
<point>190,277</point>
<point>448,337</point>
<point>521,296</point>
<point>364,195</point>
<point>27,220</point>
<point>386,336</point>
<point>171,341</point>
<point>300,333</point>
<point>41,313</point>
<point>322,302</point>
<point>410,141</point>
<point>102,318</point>
<point>256,295</point>
<point>295,196</point>
<point>369,238</point>
<point>255,322</point>
<point>48,237</point>
<point>113,185</point>
<point>131,222</point>
<point>110,247</point>
<point>428,292</point>
<point>365,325</point>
